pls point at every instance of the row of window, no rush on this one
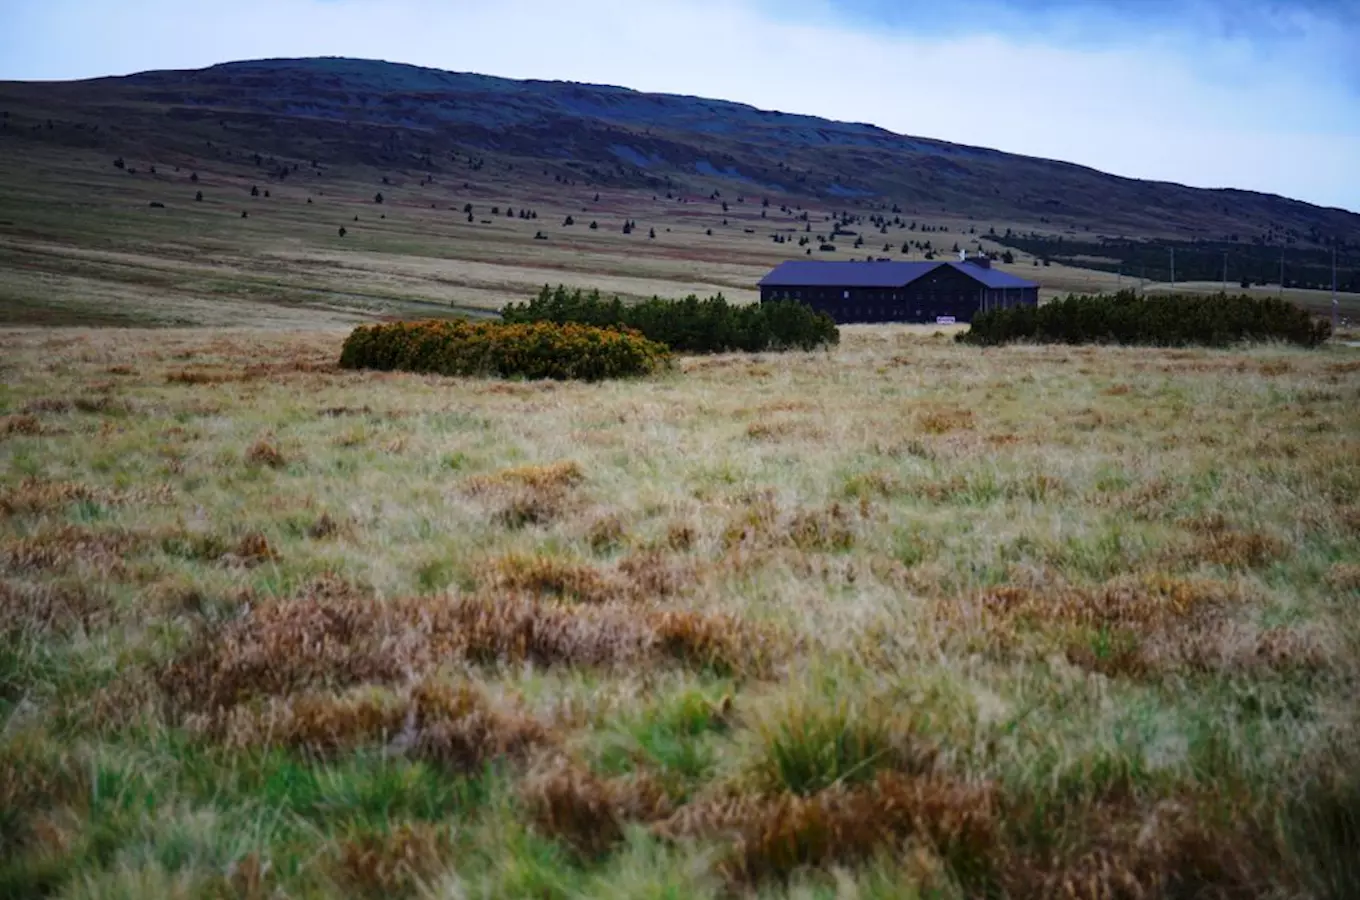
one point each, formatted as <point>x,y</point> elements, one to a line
<point>877,296</point>
<point>797,294</point>
<point>988,300</point>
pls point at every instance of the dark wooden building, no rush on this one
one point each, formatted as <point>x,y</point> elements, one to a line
<point>928,292</point>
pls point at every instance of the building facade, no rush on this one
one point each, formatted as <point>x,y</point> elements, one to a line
<point>928,292</point>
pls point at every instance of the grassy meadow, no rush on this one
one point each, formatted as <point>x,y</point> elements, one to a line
<point>80,244</point>
<point>904,619</point>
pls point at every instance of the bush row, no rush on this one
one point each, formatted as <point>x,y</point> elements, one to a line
<point>1159,320</point>
<point>537,350</point>
<point>690,325</point>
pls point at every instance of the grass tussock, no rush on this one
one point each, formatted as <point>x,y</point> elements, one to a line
<point>36,496</point>
<point>569,803</point>
<point>1215,543</point>
<point>36,778</point>
<point>1120,849</point>
<point>550,477</point>
<point>638,578</point>
<point>253,549</point>
<point>266,453</point>
<point>654,575</point>
<point>325,527</point>
<point>49,607</point>
<point>1344,577</point>
<point>451,724</point>
<point>1145,628</point>
<point>813,743</point>
<point>605,534</point>
<point>552,576</point>
<point>773,836</point>
<point>24,424</point>
<point>944,419</point>
<point>201,376</point>
<point>760,524</point>
<point>66,547</point>
<point>330,640</point>
<point>527,495</point>
<point>1153,601</point>
<point>397,862</point>
<point>724,645</point>
<point>52,405</point>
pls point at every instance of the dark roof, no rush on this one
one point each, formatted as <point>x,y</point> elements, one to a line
<point>993,278</point>
<point>826,273</point>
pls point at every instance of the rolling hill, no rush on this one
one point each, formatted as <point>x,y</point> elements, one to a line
<point>405,119</point>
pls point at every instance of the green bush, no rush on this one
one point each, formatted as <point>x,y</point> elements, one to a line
<point>690,325</point>
<point>1161,320</point>
<point>536,350</point>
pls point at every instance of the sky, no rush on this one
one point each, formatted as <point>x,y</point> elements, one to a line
<point>1255,94</point>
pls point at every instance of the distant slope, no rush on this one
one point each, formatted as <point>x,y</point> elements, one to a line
<point>399,117</point>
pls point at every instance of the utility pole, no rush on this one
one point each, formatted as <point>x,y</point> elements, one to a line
<point>1225,271</point>
<point>1281,272</point>
<point>1173,270</point>
<point>1335,302</point>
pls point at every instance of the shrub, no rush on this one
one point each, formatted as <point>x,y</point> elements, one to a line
<point>1126,318</point>
<point>690,325</point>
<point>530,350</point>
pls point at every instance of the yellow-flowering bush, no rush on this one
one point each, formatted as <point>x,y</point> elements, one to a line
<point>534,350</point>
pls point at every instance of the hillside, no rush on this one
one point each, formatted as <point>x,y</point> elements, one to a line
<point>404,119</point>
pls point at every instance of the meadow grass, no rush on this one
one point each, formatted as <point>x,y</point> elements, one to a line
<point>81,245</point>
<point>900,619</point>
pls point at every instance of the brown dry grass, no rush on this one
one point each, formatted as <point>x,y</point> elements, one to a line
<point>265,453</point>
<point>394,863</point>
<point>527,495</point>
<point>331,637</point>
<point>35,496</point>
<point>773,836</point>
<point>22,424</point>
<point>453,725</point>
<point>553,577</point>
<point>65,547</point>
<point>758,523</point>
<point>944,419</point>
<point>52,607</point>
<point>586,812</point>
<point>1344,576</point>
<point>638,578</point>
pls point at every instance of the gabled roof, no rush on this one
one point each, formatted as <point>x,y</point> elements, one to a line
<point>827,273</point>
<point>993,278</point>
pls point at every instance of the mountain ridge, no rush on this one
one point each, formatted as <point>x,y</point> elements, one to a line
<point>400,116</point>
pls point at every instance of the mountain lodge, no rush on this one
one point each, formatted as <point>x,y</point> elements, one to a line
<point>885,291</point>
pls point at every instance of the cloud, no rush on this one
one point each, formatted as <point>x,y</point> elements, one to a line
<point>1257,95</point>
